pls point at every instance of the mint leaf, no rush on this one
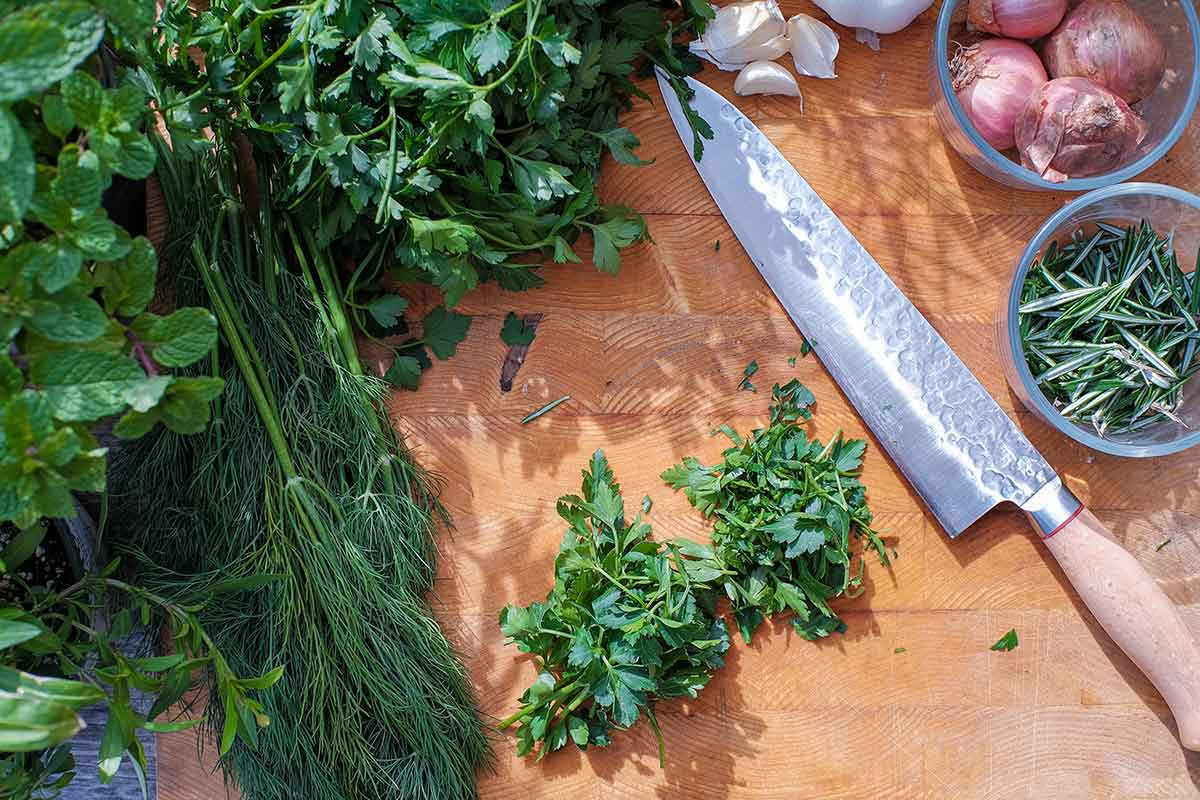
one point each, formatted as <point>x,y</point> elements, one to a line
<point>55,262</point>
<point>179,339</point>
<point>68,316</point>
<point>87,385</point>
<point>40,45</point>
<point>130,18</point>
<point>84,97</point>
<point>79,181</point>
<point>184,408</point>
<point>134,159</point>
<point>129,283</point>
<point>515,332</point>
<point>98,237</point>
<point>443,330</point>
<point>11,379</point>
<point>16,154</point>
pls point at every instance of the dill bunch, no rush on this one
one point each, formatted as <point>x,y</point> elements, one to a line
<point>301,479</point>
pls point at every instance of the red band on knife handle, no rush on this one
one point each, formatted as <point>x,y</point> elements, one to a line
<point>1065,522</point>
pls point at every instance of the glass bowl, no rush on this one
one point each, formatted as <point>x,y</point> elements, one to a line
<point>1167,111</point>
<point>1167,209</point>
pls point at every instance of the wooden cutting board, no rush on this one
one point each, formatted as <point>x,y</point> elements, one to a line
<point>652,359</point>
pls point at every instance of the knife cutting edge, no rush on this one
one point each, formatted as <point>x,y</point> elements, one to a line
<point>950,439</point>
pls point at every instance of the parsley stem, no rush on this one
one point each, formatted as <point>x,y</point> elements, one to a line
<point>382,211</point>
<point>529,709</point>
<point>553,632</point>
<point>494,17</point>
<point>620,585</point>
<point>270,60</point>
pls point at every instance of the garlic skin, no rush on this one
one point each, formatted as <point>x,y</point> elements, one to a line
<point>744,32</point>
<point>881,16</point>
<point>814,46</point>
<point>765,77</point>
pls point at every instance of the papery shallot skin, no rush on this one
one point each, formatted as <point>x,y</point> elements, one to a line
<point>1110,43</point>
<point>1076,128</point>
<point>993,81</point>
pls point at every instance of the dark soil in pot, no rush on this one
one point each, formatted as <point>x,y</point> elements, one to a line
<point>50,566</point>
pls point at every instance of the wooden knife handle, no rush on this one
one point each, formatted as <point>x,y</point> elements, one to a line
<point>1136,613</point>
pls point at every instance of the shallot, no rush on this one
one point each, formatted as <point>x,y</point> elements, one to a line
<point>1109,42</point>
<point>1019,19</point>
<point>1074,128</point>
<point>993,81</point>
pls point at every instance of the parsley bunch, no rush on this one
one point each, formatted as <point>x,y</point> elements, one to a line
<point>785,510</point>
<point>630,621</point>
<point>448,142</point>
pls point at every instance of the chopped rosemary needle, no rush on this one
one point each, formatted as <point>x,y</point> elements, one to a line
<point>1109,327</point>
<point>1162,544</point>
<point>553,404</point>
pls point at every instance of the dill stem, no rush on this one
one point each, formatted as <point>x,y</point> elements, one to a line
<point>245,364</point>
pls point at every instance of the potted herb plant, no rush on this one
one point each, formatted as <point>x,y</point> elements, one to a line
<point>80,350</point>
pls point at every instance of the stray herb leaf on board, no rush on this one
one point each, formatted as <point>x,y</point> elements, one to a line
<point>1007,642</point>
<point>553,404</point>
<point>515,332</point>
<point>745,385</point>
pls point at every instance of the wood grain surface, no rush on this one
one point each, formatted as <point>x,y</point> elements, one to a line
<point>651,360</point>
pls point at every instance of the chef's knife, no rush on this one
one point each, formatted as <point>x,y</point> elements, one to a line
<point>951,440</point>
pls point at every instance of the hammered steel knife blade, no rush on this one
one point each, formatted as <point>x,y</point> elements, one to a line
<point>947,435</point>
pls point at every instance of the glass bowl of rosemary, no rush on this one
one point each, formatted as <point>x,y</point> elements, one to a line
<point>1099,330</point>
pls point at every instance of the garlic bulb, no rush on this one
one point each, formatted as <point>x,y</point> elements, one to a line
<point>814,46</point>
<point>881,16</point>
<point>744,32</point>
<point>765,77</point>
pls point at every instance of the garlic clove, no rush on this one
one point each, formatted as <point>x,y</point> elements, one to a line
<point>814,46</point>
<point>770,51</point>
<point>746,31</point>
<point>765,77</point>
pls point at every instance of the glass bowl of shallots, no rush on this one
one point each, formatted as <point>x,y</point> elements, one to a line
<point>1066,95</point>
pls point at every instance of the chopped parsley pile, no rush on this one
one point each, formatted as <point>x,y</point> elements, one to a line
<point>631,621</point>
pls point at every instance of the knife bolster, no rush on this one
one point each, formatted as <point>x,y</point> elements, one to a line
<point>1051,508</point>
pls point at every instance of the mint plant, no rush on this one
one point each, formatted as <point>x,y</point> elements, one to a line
<point>80,347</point>
<point>79,343</point>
